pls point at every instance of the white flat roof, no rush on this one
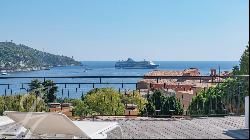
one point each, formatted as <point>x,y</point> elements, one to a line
<point>96,129</point>
<point>44,123</point>
<point>4,120</point>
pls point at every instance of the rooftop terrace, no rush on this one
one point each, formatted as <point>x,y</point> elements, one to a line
<point>152,128</point>
<point>198,128</point>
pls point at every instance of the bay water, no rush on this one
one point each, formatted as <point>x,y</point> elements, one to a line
<point>102,68</point>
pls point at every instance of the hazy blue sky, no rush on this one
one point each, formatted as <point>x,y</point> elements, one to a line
<point>141,29</point>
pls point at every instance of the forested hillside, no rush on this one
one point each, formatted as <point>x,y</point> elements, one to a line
<point>19,57</point>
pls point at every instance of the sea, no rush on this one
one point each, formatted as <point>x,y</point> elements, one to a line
<point>100,68</point>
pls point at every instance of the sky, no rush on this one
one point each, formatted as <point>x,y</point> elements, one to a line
<point>157,30</point>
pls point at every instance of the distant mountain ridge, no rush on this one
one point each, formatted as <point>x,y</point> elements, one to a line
<point>15,57</point>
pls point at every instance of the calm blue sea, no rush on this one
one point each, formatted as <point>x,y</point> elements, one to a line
<point>101,68</point>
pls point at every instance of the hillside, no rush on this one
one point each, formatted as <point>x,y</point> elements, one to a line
<point>20,57</point>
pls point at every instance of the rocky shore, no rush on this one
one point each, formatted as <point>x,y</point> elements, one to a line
<point>28,69</point>
<point>24,69</point>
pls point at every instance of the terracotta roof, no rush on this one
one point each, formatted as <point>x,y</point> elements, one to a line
<point>164,73</point>
<point>192,72</point>
<point>170,82</point>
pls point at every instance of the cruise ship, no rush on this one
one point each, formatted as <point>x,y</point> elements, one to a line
<point>131,64</point>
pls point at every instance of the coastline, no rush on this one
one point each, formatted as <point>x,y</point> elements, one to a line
<point>28,69</point>
<point>23,69</point>
<point>107,68</point>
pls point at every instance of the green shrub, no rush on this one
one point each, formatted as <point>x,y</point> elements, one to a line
<point>159,101</point>
<point>29,103</point>
<point>22,103</point>
<point>216,99</point>
<point>104,101</point>
<point>134,98</point>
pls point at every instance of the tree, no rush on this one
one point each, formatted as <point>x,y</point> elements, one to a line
<point>244,69</point>
<point>171,103</point>
<point>164,102</point>
<point>47,90</point>
<point>81,109</point>
<point>236,70</point>
<point>104,101</point>
<point>24,103</point>
<point>31,103</point>
<point>12,103</point>
<point>35,85</point>
<point>219,99</point>
<point>244,62</point>
<point>12,54</point>
<point>149,109</point>
<point>158,99</point>
<point>135,98</point>
<point>1,105</point>
<point>50,90</point>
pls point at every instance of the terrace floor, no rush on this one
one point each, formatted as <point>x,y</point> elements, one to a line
<point>151,128</point>
<point>198,128</point>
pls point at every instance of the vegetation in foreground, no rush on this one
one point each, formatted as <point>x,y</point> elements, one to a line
<point>160,103</point>
<point>103,101</point>
<point>39,95</point>
<point>225,97</point>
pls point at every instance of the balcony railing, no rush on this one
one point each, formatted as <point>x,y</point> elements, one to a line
<point>76,86</point>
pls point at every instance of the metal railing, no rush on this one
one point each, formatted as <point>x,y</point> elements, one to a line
<point>76,86</point>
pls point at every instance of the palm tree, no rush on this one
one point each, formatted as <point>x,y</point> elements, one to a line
<point>35,85</point>
<point>50,90</point>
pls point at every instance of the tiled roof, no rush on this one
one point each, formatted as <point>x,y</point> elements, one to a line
<point>191,72</point>
<point>164,73</point>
